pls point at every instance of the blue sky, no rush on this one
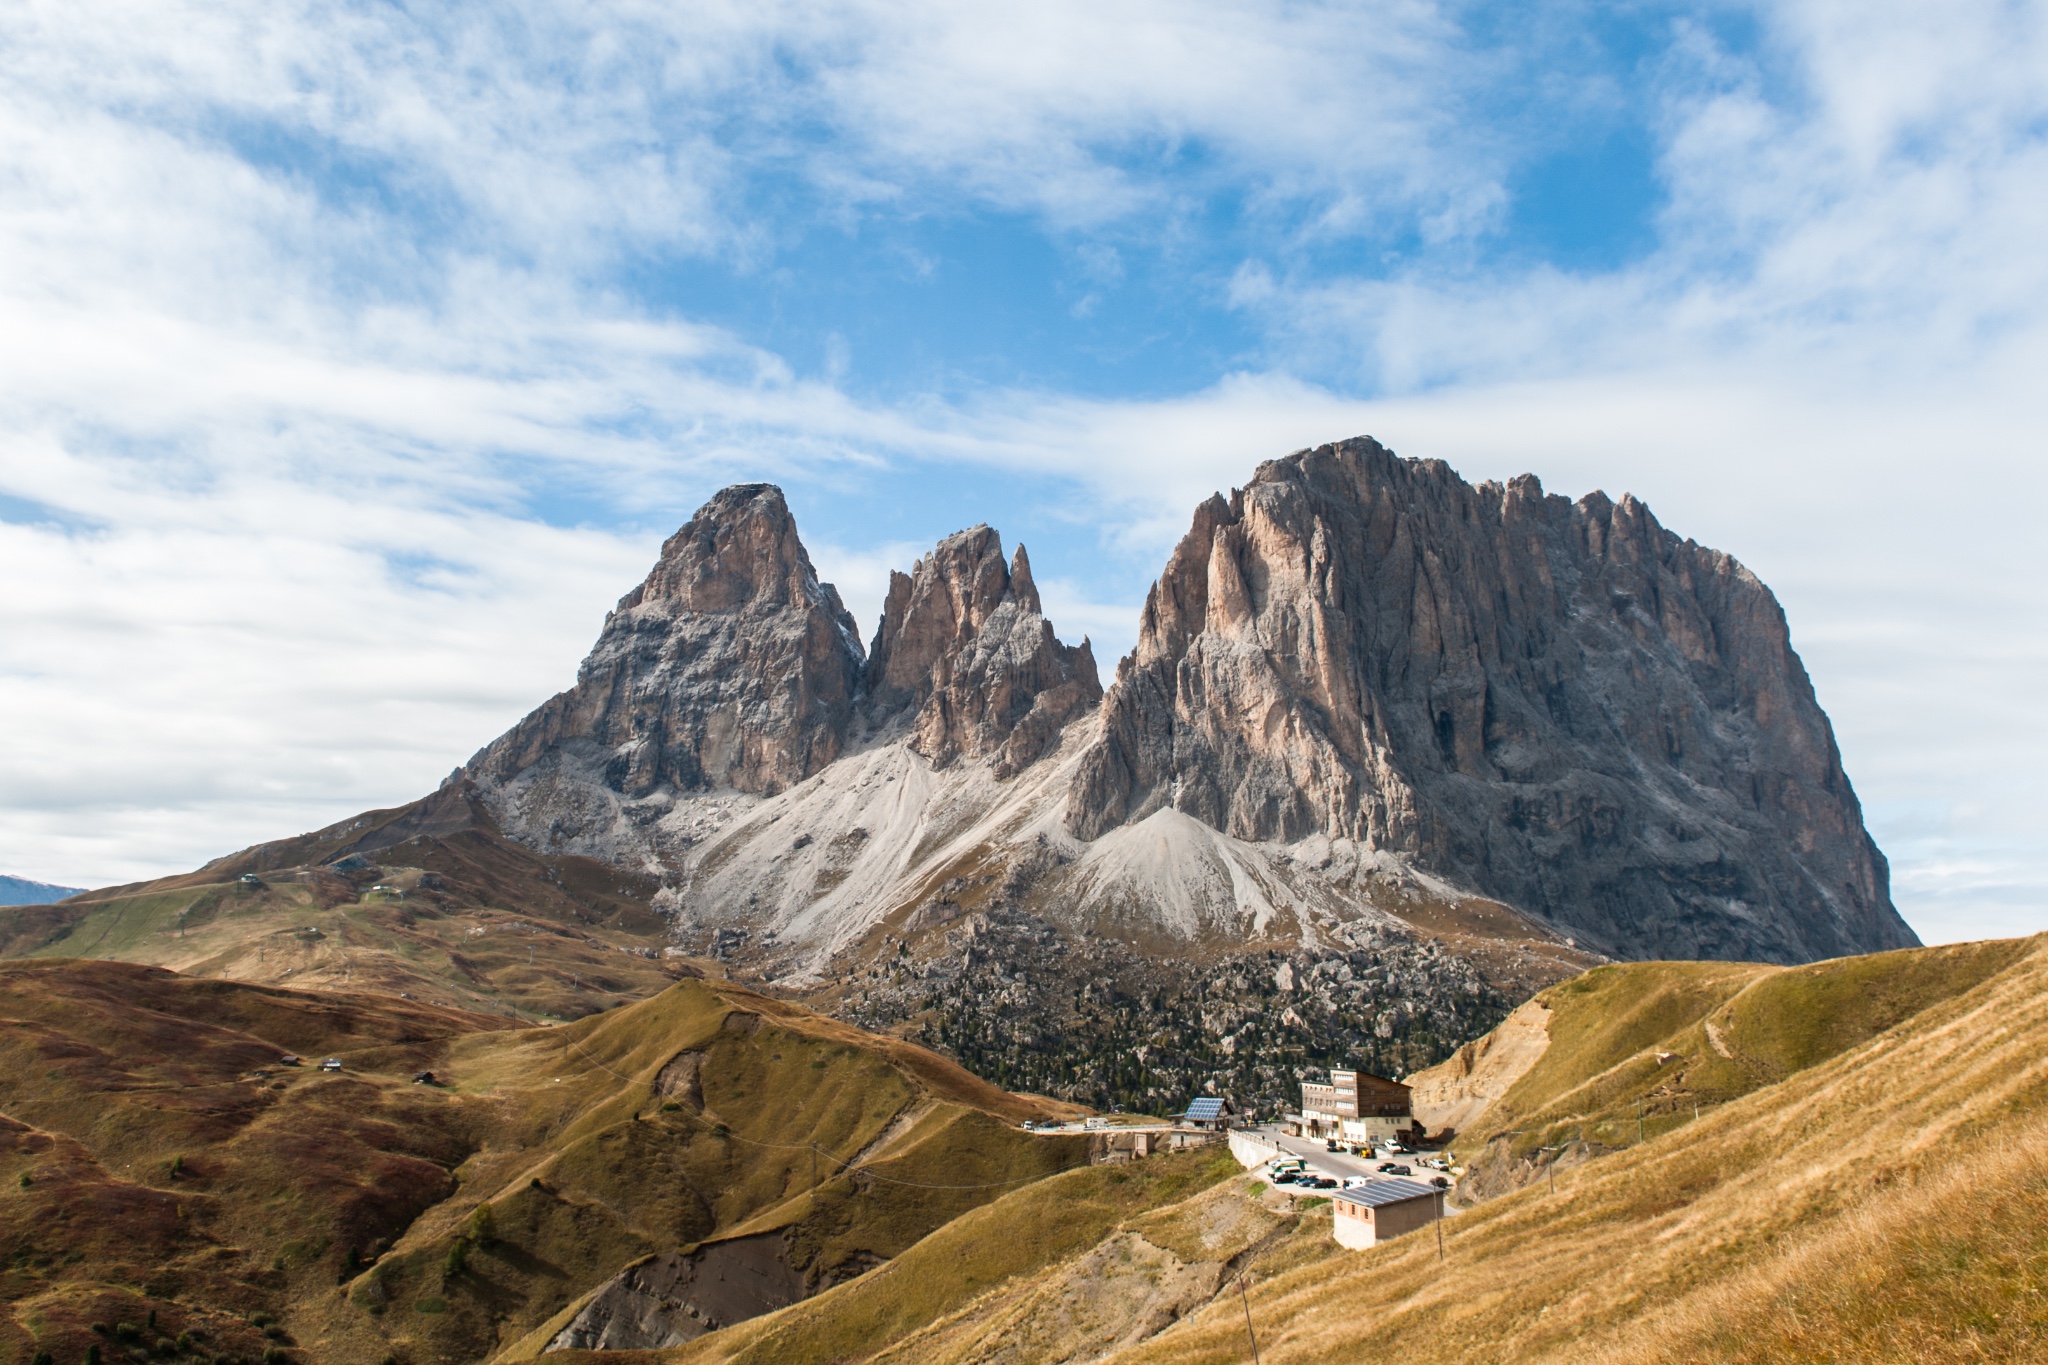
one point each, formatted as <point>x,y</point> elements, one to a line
<point>360,355</point>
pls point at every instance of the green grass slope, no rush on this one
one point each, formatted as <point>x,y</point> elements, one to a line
<point>991,1251</point>
<point>1604,1017</point>
<point>425,900</point>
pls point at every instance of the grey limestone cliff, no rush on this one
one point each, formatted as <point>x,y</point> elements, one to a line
<point>730,666</point>
<point>733,668</point>
<point>965,652</point>
<point>1560,704</point>
<point>1355,668</point>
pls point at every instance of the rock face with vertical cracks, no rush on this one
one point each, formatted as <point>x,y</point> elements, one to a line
<point>732,666</point>
<point>1560,704</point>
<point>964,654</point>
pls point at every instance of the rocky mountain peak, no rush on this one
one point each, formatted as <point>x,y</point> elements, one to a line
<point>964,652</point>
<point>1022,586</point>
<point>731,665</point>
<point>1561,704</point>
<point>740,552</point>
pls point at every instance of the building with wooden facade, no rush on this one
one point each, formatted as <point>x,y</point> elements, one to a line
<point>1355,1106</point>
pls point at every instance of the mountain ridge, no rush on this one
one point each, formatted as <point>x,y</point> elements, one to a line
<point>1560,704</point>
<point>1355,672</point>
<point>1394,752</point>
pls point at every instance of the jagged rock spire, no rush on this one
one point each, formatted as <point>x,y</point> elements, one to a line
<point>730,666</point>
<point>964,653</point>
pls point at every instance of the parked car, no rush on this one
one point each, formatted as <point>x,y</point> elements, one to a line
<point>1399,1170</point>
<point>1287,1178</point>
<point>1331,1146</point>
<point>1324,1182</point>
<point>1386,1166</point>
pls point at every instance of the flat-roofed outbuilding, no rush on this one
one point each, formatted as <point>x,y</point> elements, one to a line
<point>1366,1215</point>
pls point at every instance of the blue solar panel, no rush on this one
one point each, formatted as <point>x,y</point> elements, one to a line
<point>1377,1193</point>
<point>1204,1109</point>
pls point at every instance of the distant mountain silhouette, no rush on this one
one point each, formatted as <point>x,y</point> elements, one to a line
<point>22,891</point>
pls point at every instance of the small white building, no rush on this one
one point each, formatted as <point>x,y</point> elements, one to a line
<point>1366,1215</point>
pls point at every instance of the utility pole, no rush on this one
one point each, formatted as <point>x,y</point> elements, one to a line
<point>1246,1299</point>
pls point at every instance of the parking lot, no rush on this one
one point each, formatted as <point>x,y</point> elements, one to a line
<point>1341,1166</point>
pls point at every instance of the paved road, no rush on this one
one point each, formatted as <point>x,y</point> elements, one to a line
<point>1341,1165</point>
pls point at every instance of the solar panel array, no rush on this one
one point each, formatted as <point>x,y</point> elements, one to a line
<point>1206,1108</point>
<point>1378,1193</point>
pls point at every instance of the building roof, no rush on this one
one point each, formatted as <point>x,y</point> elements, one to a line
<point>1379,1193</point>
<point>1207,1107</point>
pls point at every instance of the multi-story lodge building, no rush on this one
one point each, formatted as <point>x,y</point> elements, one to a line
<point>1355,1106</point>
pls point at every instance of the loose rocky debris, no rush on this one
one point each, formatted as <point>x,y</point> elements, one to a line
<point>1094,1021</point>
<point>669,1299</point>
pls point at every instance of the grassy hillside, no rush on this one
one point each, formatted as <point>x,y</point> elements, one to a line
<point>1866,1182</point>
<point>1640,1049</point>
<point>165,1172</point>
<point>425,900</point>
<point>981,1259</point>
<point>1884,1204</point>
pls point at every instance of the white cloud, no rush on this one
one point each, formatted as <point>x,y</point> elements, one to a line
<point>304,308</point>
<point>1077,109</point>
<point>199,672</point>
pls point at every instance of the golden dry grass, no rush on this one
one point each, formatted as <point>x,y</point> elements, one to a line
<point>1885,1204</point>
<point>1874,1189</point>
<point>157,1159</point>
<point>1921,1275</point>
<point>986,1256</point>
<point>1639,1050</point>
<point>448,911</point>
